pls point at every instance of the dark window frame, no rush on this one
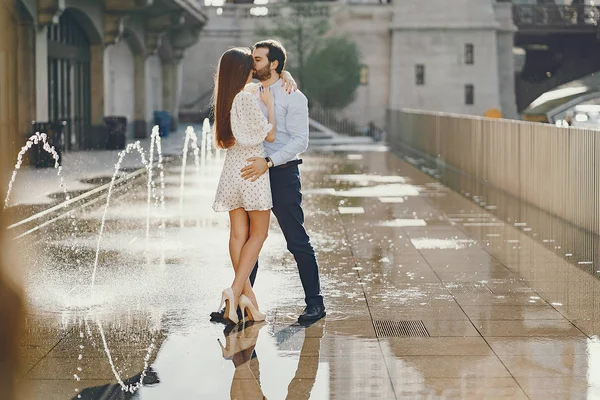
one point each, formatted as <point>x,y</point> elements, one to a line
<point>420,74</point>
<point>469,54</point>
<point>364,74</point>
<point>469,94</point>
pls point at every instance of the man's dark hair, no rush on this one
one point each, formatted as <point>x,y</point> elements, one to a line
<point>276,52</point>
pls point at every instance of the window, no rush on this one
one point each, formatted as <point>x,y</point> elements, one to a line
<point>469,53</point>
<point>420,74</point>
<point>469,94</point>
<point>364,75</point>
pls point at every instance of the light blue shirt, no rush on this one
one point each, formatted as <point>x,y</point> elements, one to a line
<point>291,138</point>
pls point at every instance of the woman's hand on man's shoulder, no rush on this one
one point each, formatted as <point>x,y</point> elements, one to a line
<point>252,88</point>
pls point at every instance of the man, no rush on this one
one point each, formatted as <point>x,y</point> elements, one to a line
<point>282,164</point>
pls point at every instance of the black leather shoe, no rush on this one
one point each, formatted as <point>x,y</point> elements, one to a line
<point>217,316</point>
<point>312,313</point>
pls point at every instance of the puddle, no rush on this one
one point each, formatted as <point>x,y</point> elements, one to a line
<point>365,180</point>
<point>390,190</point>
<point>327,191</point>
<point>403,223</point>
<point>442,244</point>
<point>354,157</point>
<point>391,199</point>
<point>351,210</point>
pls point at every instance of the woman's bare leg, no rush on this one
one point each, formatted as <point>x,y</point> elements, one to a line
<point>259,229</point>
<point>239,231</point>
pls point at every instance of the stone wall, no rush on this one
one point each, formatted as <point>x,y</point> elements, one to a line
<point>392,40</point>
<point>446,74</point>
<point>435,35</point>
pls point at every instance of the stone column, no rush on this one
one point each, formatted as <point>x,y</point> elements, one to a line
<point>180,39</point>
<point>27,77</point>
<point>96,138</point>
<point>41,74</point>
<point>506,60</point>
<point>140,124</point>
<point>171,70</point>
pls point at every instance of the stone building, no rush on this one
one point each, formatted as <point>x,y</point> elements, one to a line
<point>83,60</point>
<point>417,54</point>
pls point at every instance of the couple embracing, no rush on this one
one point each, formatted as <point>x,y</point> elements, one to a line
<point>264,128</point>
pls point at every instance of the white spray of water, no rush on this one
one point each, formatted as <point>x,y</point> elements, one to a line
<point>130,147</point>
<point>34,140</point>
<point>190,135</point>
<point>124,387</point>
<point>155,140</point>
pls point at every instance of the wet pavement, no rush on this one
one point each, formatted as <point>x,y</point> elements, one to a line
<point>428,294</point>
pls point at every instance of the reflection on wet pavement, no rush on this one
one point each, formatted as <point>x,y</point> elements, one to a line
<point>506,313</point>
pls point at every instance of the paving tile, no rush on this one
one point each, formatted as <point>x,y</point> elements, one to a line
<point>456,328</point>
<point>65,369</point>
<point>459,389</point>
<point>399,300</point>
<point>560,388</point>
<point>590,328</point>
<point>475,276</point>
<point>504,312</point>
<point>360,388</point>
<point>541,366</point>
<point>536,327</point>
<point>410,369</point>
<point>541,345</point>
<point>448,312</point>
<point>436,346</point>
<point>360,328</point>
<point>49,389</point>
<point>514,299</point>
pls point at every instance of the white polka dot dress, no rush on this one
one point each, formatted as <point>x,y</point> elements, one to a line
<point>250,127</point>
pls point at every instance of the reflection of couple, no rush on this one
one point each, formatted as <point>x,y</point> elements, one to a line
<point>240,350</point>
<point>264,128</point>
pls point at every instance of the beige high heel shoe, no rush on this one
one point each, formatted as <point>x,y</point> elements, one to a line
<point>247,307</point>
<point>231,346</point>
<point>239,341</point>
<point>230,306</point>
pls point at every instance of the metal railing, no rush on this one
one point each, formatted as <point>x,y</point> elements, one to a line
<point>335,121</point>
<point>339,123</point>
<point>271,10</point>
<point>554,169</point>
<point>220,9</point>
<point>555,15</point>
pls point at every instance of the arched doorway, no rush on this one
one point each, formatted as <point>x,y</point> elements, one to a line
<point>69,78</point>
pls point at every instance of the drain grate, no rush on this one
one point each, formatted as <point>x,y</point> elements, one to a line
<point>400,329</point>
<point>466,288</point>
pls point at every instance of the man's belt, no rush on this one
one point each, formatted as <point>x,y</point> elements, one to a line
<point>290,164</point>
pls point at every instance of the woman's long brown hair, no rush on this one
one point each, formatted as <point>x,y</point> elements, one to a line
<point>234,68</point>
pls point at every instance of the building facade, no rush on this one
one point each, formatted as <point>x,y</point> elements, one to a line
<point>80,61</point>
<point>416,54</point>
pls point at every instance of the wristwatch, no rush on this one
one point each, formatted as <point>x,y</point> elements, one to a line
<point>269,162</point>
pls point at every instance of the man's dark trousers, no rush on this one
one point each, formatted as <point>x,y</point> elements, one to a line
<point>287,207</point>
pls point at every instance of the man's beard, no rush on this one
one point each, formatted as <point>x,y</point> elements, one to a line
<point>262,74</point>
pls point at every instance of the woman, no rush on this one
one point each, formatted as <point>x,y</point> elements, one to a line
<point>241,128</point>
